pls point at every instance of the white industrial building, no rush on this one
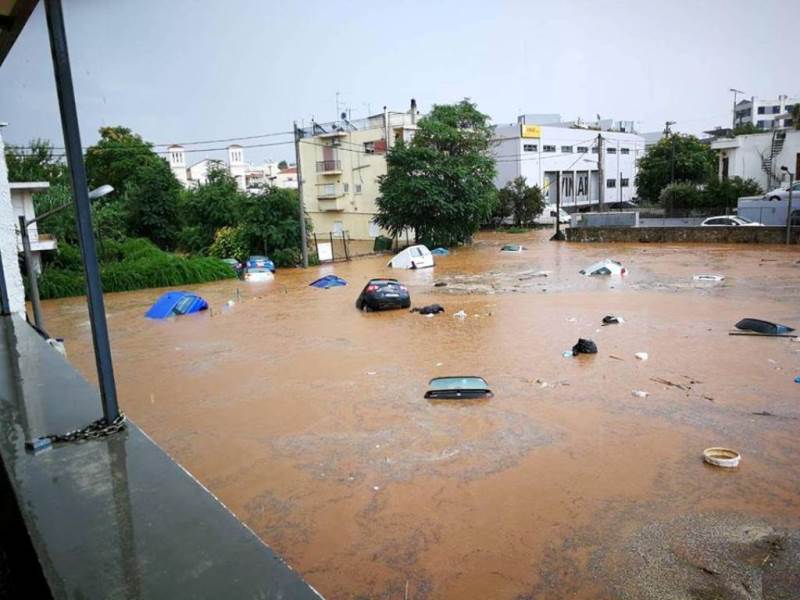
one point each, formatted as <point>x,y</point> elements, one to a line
<point>562,158</point>
<point>760,156</point>
<point>771,113</point>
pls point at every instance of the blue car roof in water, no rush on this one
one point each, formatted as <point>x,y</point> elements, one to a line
<point>176,303</point>
<point>328,281</point>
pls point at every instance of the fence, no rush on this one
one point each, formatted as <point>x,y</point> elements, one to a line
<point>333,246</point>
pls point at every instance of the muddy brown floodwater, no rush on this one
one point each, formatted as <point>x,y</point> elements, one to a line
<point>306,417</point>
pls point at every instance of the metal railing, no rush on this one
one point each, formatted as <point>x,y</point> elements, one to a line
<point>328,165</point>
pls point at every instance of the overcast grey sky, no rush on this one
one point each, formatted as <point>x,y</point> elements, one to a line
<point>183,70</point>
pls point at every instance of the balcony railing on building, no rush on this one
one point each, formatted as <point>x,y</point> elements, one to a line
<point>329,166</point>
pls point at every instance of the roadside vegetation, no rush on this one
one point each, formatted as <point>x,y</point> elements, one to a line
<point>679,174</point>
<point>150,232</point>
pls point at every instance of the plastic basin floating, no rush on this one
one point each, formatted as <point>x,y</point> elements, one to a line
<point>722,457</point>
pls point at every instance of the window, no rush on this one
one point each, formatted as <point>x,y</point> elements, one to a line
<point>761,109</point>
<point>329,189</point>
<point>611,183</point>
<point>776,110</point>
<point>582,149</point>
<point>761,124</point>
<point>594,149</point>
<point>611,150</point>
<point>624,150</point>
<point>547,148</point>
<point>566,149</point>
<point>369,147</point>
<point>529,148</point>
<point>346,187</point>
<point>358,189</point>
<point>623,182</point>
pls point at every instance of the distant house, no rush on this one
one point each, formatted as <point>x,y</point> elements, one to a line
<point>772,113</point>
<point>22,204</point>
<point>759,156</point>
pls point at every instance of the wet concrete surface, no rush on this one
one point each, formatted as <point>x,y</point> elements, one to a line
<point>306,417</point>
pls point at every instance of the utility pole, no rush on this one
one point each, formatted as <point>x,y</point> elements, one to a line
<point>558,236</point>
<point>303,240</point>
<point>32,283</point>
<point>735,92</point>
<point>789,207</point>
<point>601,182</point>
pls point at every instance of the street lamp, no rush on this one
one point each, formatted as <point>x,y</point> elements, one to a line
<point>103,190</point>
<point>789,208</point>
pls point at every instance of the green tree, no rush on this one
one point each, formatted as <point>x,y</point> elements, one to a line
<point>684,155</point>
<point>207,208</point>
<point>283,165</point>
<point>681,195</point>
<point>152,204</point>
<point>725,193</point>
<point>269,224</point>
<point>746,129</point>
<point>230,242</point>
<point>441,184</point>
<point>35,163</point>
<point>526,202</point>
<point>117,158</point>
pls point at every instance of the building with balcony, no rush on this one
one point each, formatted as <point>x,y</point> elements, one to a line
<point>772,113</point>
<point>341,162</point>
<point>22,204</point>
<point>562,159</point>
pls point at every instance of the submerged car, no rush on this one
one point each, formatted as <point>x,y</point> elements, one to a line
<point>176,303</point>
<point>258,274</point>
<point>458,388</point>
<point>260,262</point>
<point>512,248</point>
<point>729,221</point>
<point>604,267</point>
<point>413,257</point>
<point>380,294</point>
<point>235,265</point>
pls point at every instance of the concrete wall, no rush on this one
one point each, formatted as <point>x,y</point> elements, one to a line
<point>8,241</point>
<point>701,235</point>
<point>606,219</point>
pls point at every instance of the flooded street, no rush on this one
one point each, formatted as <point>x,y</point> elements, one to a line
<point>307,419</point>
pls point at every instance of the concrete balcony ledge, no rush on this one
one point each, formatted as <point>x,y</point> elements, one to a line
<point>115,517</point>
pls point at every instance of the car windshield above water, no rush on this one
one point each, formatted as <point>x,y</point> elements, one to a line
<point>458,388</point>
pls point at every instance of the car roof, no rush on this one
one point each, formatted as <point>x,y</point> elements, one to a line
<point>381,279</point>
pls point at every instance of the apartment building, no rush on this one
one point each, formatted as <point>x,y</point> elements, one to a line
<point>760,156</point>
<point>341,162</point>
<point>774,113</point>
<point>562,159</point>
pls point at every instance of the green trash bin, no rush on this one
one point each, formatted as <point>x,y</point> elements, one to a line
<point>382,244</point>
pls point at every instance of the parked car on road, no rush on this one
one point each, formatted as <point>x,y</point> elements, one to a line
<point>260,262</point>
<point>783,193</point>
<point>381,294</point>
<point>729,221</point>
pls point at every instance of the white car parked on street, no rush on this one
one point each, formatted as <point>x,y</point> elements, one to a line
<point>783,193</point>
<point>729,221</point>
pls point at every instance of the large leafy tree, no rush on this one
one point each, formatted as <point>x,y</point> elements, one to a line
<point>152,204</point>
<point>526,203</point>
<point>675,158</point>
<point>36,162</point>
<point>117,158</point>
<point>207,208</point>
<point>441,184</point>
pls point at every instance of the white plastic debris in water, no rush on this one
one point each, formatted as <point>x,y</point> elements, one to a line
<point>372,372</point>
<point>641,355</point>
<point>376,487</point>
<point>567,354</point>
<point>460,315</point>
<point>58,345</point>
<point>708,277</point>
<point>640,393</point>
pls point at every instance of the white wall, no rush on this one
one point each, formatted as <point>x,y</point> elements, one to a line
<point>540,167</point>
<point>744,154</point>
<point>8,242</point>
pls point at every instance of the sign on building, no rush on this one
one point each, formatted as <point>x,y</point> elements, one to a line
<point>531,131</point>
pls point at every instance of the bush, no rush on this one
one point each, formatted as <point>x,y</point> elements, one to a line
<point>230,242</point>
<point>137,264</point>
<point>680,195</point>
<point>726,192</point>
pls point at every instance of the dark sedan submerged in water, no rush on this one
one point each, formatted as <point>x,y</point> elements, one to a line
<point>380,294</point>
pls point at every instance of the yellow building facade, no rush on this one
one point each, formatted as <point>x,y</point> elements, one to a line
<point>341,163</point>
